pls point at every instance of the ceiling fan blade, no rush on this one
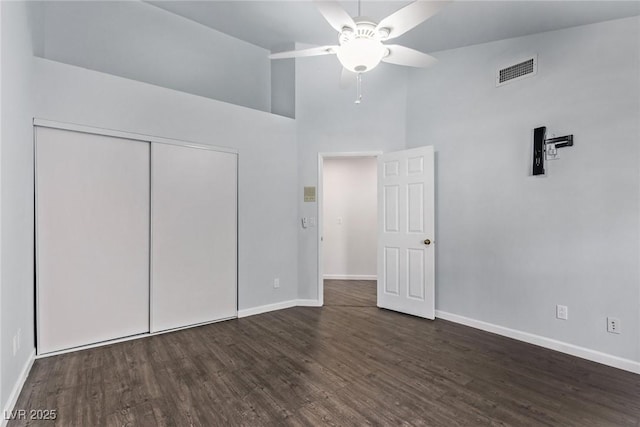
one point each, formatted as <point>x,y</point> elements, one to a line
<point>347,78</point>
<point>314,51</point>
<point>335,15</point>
<point>401,55</point>
<point>410,16</point>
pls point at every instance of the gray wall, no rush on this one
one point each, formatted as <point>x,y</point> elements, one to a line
<point>267,159</point>
<point>283,84</point>
<point>16,278</point>
<point>329,121</point>
<point>142,42</point>
<point>509,246</point>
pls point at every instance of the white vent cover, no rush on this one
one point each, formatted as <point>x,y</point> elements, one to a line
<point>523,69</point>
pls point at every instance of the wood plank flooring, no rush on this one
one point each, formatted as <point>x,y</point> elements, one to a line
<point>348,363</point>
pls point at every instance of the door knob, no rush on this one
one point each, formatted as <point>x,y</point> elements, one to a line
<point>427,242</point>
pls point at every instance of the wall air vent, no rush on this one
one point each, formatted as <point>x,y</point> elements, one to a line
<point>519,71</point>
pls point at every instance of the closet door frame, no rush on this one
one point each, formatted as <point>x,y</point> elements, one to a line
<point>128,135</point>
<point>38,122</point>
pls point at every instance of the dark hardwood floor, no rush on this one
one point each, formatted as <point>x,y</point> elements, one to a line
<point>349,293</point>
<point>348,363</point>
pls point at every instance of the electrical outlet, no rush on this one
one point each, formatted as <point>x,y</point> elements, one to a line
<point>562,312</point>
<point>613,325</point>
<point>276,283</point>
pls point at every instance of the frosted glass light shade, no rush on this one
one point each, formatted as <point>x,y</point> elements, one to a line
<point>361,55</point>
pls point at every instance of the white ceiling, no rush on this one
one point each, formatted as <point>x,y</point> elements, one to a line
<point>275,25</point>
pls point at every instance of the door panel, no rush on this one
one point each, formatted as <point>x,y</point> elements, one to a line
<point>415,210</point>
<point>391,208</point>
<point>194,236</point>
<point>92,234</point>
<point>416,273</point>
<point>406,276</point>
<point>391,270</point>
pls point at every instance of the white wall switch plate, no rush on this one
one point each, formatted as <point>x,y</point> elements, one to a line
<point>276,283</point>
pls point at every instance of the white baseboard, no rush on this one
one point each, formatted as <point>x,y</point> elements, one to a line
<point>308,303</point>
<point>266,308</point>
<point>278,306</point>
<point>574,350</point>
<point>350,277</point>
<point>17,388</point>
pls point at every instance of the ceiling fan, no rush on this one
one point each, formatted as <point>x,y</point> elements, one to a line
<point>360,39</point>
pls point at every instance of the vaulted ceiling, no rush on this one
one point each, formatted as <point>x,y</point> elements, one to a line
<point>275,25</point>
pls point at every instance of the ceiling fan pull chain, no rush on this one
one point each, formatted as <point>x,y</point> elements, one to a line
<point>359,88</point>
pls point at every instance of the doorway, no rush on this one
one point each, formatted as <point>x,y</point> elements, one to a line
<point>347,228</point>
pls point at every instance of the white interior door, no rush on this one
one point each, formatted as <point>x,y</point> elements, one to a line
<point>92,231</point>
<point>406,275</point>
<point>194,236</point>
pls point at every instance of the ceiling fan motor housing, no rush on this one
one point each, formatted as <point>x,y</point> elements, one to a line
<point>361,48</point>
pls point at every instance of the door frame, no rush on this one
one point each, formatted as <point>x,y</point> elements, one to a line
<point>321,159</point>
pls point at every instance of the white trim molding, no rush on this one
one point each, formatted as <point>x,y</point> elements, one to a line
<point>308,303</point>
<point>278,306</point>
<point>319,205</point>
<point>266,308</point>
<point>563,347</point>
<point>350,277</point>
<point>17,388</point>
<point>127,135</point>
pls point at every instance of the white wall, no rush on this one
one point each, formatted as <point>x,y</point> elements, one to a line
<point>142,42</point>
<point>349,205</point>
<point>328,121</point>
<point>509,246</point>
<point>16,279</point>
<point>267,158</point>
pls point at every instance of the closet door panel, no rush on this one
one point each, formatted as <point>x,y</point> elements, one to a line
<point>92,227</point>
<point>194,236</point>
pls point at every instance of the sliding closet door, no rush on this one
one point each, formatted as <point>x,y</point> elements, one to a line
<point>194,236</point>
<point>92,227</point>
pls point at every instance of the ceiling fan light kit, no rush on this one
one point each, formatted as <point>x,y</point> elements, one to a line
<point>360,39</point>
<point>361,49</point>
<point>361,55</point>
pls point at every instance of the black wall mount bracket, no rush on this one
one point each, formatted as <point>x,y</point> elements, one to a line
<point>543,147</point>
